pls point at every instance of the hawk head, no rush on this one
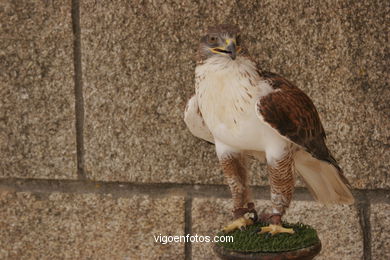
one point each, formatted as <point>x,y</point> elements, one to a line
<point>221,40</point>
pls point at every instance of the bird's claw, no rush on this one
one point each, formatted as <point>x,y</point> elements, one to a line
<point>275,229</point>
<point>239,223</point>
<point>244,217</point>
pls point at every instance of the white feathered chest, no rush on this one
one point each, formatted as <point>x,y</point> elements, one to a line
<point>227,91</point>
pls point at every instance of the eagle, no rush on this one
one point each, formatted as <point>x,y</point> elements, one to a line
<point>248,112</point>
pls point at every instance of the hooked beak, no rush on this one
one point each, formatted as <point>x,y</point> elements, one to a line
<point>231,48</point>
<point>228,49</point>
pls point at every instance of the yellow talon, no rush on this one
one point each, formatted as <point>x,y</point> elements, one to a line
<point>275,229</point>
<point>238,224</point>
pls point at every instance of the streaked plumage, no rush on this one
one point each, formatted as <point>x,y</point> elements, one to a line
<point>245,111</point>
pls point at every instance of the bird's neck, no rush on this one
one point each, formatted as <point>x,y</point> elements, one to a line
<point>229,75</point>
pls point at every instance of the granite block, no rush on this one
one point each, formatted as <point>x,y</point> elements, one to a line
<point>337,226</point>
<point>37,129</point>
<point>380,231</point>
<point>88,226</point>
<point>138,65</point>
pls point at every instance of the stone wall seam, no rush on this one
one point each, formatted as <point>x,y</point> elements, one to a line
<point>78,89</point>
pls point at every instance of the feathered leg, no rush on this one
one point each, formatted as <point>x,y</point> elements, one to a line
<point>281,175</point>
<point>282,182</point>
<point>233,166</point>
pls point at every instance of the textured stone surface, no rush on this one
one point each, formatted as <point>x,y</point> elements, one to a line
<point>137,77</point>
<point>89,226</point>
<point>380,231</point>
<point>37,132</point>
<point>337,226</point>
<point>138,73</point>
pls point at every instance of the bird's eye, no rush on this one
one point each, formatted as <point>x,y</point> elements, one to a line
<point>213,39</point>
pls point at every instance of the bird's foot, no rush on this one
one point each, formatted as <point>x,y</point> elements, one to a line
<point>275,224</point>
<point>243,217</point>
<point>276,229</point>
<point>239,223</point>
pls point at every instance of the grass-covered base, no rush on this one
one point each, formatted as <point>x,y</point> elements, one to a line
<point>248,239</point>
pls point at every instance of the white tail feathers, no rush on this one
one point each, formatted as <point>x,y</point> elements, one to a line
<point>322,179</point>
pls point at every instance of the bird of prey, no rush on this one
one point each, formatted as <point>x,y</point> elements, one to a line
<point>245,112</point>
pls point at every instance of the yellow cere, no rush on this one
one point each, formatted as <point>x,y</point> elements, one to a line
<point>228,41</point>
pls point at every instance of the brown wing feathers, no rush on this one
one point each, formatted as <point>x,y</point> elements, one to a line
<point>291,112</point>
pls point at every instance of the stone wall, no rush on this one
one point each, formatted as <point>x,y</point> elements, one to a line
<point>96,158</point>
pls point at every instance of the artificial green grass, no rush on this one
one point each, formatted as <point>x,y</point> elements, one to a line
<point>248,239</point>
